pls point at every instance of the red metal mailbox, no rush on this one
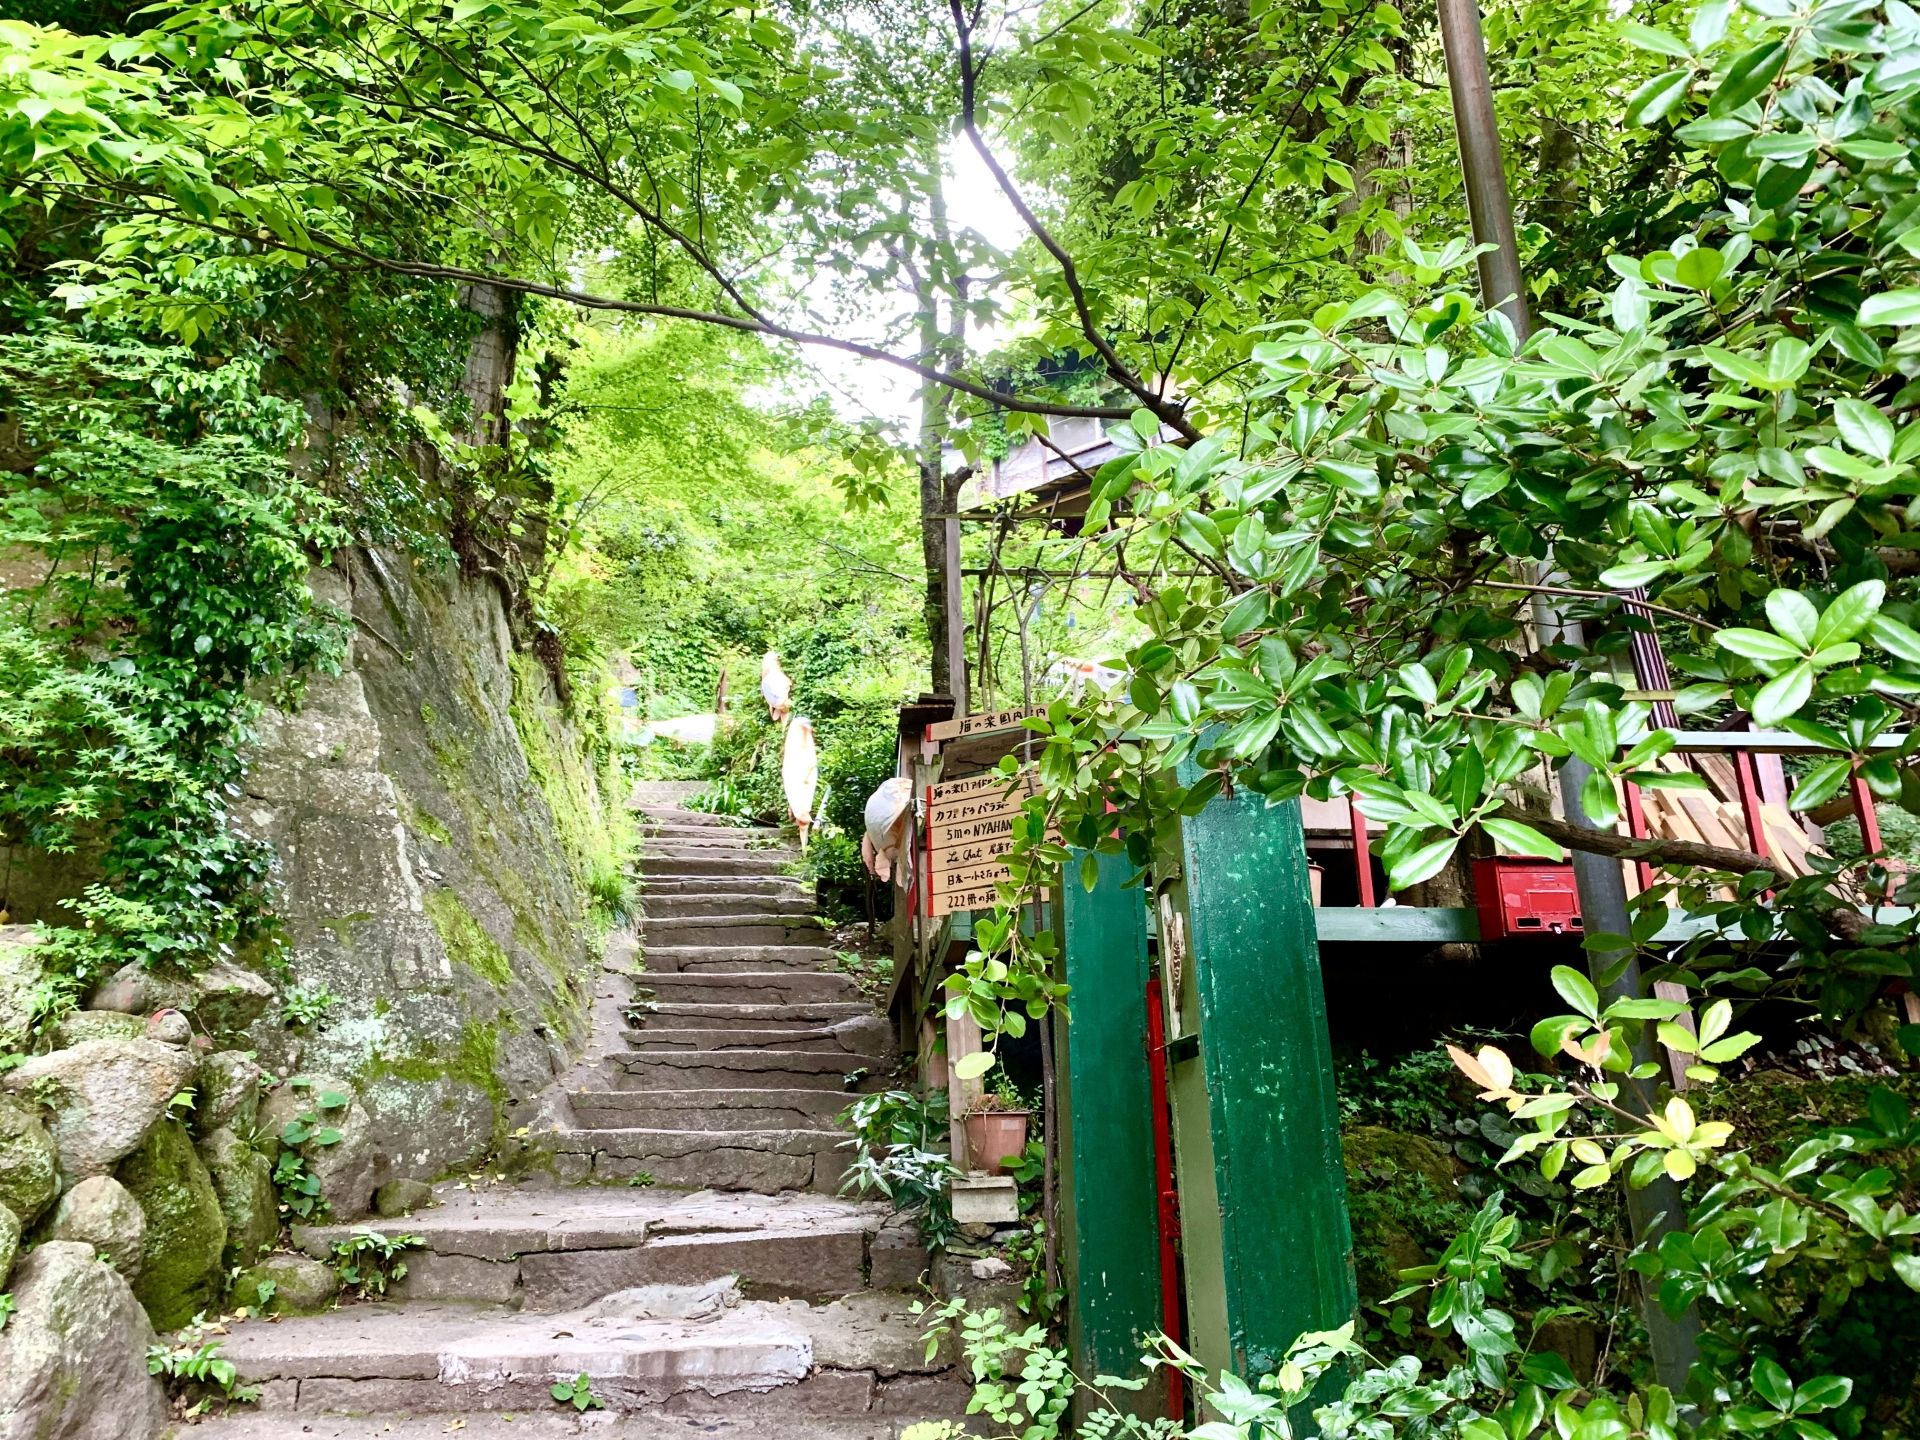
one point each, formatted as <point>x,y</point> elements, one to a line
<point>1525,897</point>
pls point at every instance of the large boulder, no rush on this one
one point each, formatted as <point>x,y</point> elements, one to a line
<point>186,1230</point>
<point>401,1197</point>
<point>243,1179</point>
<point>73,1359</point>
<point>84,1025</point>
<point>345,1167</point>
<point>224,999</point>
<point>287,1285</point>
<point>102,1212</point>
<point>103,1096</point>
<point>20,975</point>
<point>29,1165</point>
<point>227,1085</point>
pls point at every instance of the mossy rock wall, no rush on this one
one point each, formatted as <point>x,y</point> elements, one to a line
<point>434,872</point>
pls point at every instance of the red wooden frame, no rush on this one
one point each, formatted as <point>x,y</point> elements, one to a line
<point>1168,1195</point>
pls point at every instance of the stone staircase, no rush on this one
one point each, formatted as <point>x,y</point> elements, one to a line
<point>739,1045</point>
<point>724,1289</point>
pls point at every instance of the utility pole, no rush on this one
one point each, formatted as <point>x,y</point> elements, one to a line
<point>1488,204</point>
<point>1599,880</point>
<point>1657,1208</point>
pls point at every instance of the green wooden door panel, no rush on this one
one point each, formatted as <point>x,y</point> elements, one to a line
<point>1109,1212</point>
<point>1255,964</point>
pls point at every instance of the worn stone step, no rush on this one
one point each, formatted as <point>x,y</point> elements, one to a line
<point>859,1357</point>
<point>674,815</point>
<point>766,1162</point>
<point>761,987</point>
<point>556,1422</point>
<point>754,1069</point>
<point>762,929</point>
<point>739,959</point>
<point>771,1263</point>
<point>725,903</point>
<point>666,886</point>
<point>693,838</point>
<point>653,1038</point>
<point>656,861</point>
<point>731,1109</point>
<point>552,1249</point>
<point>670,1014</point>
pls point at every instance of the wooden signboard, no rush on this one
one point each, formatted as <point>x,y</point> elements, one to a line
<point>969,826</point>
<point>981,724</point>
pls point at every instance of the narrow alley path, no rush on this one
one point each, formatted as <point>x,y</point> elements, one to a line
<point>689,1253</point>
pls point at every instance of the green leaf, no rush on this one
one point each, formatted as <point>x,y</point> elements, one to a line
<point>1895,638</point>
<point>1772,1384</point>
<point>1864,428</point>
<point>1577,990</point>
<point>1249,613</point>
<point>1699,267</point>
<point>1783,697</point>
<point>1646,37</point>
<point>1820,784</point>
<point>1633,576</point>
<point>1731,1048</point>
<point>1657,96</point>
<point>1597,799</point>
<point>1793,615</point>
<point>1421,864</point>
<point>1713,131</point>
<point>1894,307</point>
<point>972,1067</point>
<point>1823,1392</point>
<point>1748,77</point>
<point>1522,839</point>
<point>1852,609</point>
<point>1758,645</point>
<point>1906,1264</point>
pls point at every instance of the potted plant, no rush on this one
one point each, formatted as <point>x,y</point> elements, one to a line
<point>996,1127</point>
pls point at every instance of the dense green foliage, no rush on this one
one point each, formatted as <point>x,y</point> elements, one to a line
<point>162,545</point>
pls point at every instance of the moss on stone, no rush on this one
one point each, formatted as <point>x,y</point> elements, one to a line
<point>471,1062</point>
<point>186,1231</point>
<point>466,939</point>
<point>1402,1203</point>
<point>243,1179</point>
<point>596,837</point>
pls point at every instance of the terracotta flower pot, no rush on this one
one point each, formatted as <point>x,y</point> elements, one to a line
<point>995,1137</point>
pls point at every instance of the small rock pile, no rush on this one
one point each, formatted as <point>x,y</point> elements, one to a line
<point>136,1173</point>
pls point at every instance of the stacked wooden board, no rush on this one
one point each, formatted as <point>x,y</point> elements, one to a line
<point>1714,816</point>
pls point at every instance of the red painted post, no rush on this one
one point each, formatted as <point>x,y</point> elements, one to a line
<point>1362,857</point>
<point>1168,1194</point>
<point>1870,842</point>
<point>1748,784</point>
<point>1869,821</point>
<point>1637,827</point>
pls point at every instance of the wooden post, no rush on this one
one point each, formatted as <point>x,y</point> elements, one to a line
<point>956,619</point>
<point>1263,1222</point>
<point>1747,782</point>
<point>1108,1116</point>
<point>963,1039</point>
<point>1362,856</point>
<point>1637,827</point>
